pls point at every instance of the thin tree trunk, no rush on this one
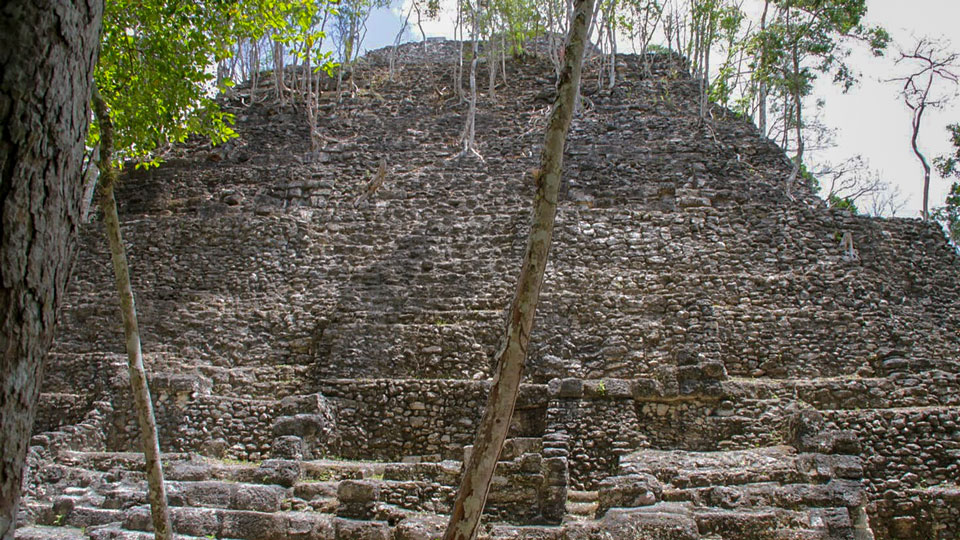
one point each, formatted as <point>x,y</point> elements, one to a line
<point>423,34</point>
<point>396,44</point>
<point>492,431</point>
<point>798,104</point>
<point>156,493</point>
<point>254,69</point>
<point>613,45</point>
<point>762,105</point>
<point>503,59</point>
<point>49,51</point>
<point>492,64</point>
<point>468,137</point>
<point>459,83</point>
<point>917,117</point>
<point>278,72</point>
<point>706,42</point>
<point>310,101</point>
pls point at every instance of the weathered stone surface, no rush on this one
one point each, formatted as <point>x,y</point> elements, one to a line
<point>628,491</point>
<point>279,471</point>
<point>421,528</point>
<point>357,499</point>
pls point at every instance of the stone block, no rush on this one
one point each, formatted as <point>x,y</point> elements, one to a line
<point>287,447</point>
<point>279,471</point>
<point>570,388</point>
<point>423,527</point>
<point>628,491</point>
<point>357,499</point>
<point>348,529</point>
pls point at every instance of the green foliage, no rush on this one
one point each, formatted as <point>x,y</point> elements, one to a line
<point>949,166</point>
<point>805,38</point>
<point>842,203</point>
<point>518,19</point>
<point>154,74</point>
<point>949,214</point>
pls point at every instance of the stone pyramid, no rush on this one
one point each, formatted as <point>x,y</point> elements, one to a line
<point>711,359</point>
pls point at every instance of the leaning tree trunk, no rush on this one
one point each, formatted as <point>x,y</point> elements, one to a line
<point>492,431</point>
<point>156,493</point>
<point>48,49</point>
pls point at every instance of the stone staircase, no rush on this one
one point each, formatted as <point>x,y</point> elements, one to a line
<point>767,491</point>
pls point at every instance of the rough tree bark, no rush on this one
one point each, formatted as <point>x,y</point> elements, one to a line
<point>48,49</point>
<point>492,431</point>
<point>156,493</point>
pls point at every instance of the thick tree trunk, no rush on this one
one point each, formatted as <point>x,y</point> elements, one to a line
<point>48,49</point>
<point>156,493</point>
<point>492,431</point>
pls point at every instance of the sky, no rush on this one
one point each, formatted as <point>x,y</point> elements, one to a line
<point>870,120</point>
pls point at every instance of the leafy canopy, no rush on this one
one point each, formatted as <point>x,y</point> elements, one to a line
<point>156,68</point>
<point>154,72</point>
<point>949,166</point>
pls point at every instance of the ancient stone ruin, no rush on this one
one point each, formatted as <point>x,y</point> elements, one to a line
<point>712,360</point>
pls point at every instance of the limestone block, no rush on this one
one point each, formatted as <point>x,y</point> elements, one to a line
<point>287,447</point>
<point>357,498</point>
<point>348,529</point>
<point>279,471</point>
<point>425,527</point>
<point>628,491</point>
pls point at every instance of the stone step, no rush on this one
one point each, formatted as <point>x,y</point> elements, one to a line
<point>581,496</point>
<point>751,522</point>
<point>203,522</point>
<point>582,509</point>
<point>782,465</point>
<point>46,532</point>
<point>836,492</point>
<point>115,531</point>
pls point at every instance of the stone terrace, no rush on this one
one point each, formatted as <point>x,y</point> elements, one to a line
<point>707,363</point>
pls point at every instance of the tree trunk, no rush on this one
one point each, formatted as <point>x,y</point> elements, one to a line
<point>492,431</point>
<point>798,110</point>
<point>469,135</point>
<point>492,64</point>
<point>459,68</point>
<point>48,49</point>
<point>917,117</point>
<point>612,35</point>
<point>396,44</point>
<point>762,105</point>
<point>279,72</point>
<point>156,493</point>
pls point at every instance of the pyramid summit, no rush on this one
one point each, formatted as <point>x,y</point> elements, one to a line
<point>712,359</point>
